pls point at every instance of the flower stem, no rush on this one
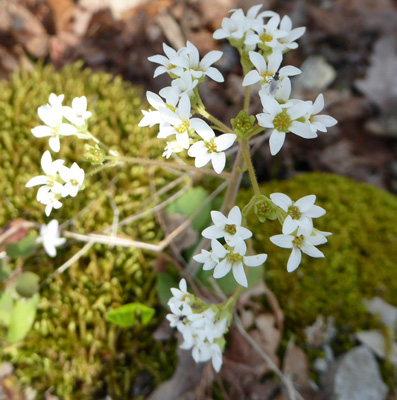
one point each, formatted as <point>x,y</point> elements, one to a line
<point>163,164</point>
<point>232,190</point>
<point>220,125</point>
<point>247,98</point>
<point>100,168</point>
<point>250,167</point>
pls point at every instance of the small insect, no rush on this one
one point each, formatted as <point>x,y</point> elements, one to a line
<point>274,83</point>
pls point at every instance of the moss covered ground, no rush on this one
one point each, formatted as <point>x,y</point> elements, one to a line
<point>71,347</point>
<point>359,260</point>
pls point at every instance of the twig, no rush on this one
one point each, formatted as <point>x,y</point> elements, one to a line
<point>135,217</point>
<point>68,263</point>
<point>116,215</point>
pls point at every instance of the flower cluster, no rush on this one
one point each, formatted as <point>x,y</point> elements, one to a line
<point>59,181</point>
<point>232,255</point>
<point>202,330</point>
<point>298,231</point>
<point>172,110</point>
<point>52,115</point>
<point>263,44</point>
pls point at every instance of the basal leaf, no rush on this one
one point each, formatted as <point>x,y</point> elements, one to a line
<point>125,315</point>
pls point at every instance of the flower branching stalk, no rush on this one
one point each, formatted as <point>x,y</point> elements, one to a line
<point>261,38</point>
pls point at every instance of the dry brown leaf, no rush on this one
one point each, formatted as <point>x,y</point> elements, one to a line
<point>296,365</point>
<point>268,335</point>
<point>14,231</point>
<point>187,237</point>
<point>187,376</point>
<point>62,11</point>
<point>22,25</point>
<point>380,82</point>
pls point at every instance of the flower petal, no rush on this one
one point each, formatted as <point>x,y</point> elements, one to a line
<point>294,260</point>
<point>239,274</point>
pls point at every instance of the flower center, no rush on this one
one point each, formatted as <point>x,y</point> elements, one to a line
<point>183,127</point>
<point>74,182</point>
<point>298,241</point>
<point>294,212</point>
<point>55,130</point>
<point>282,121</point>
<point>234,257</point>
<point>211,146</point>
<point>266,75</point>
<point>230,229</point>
<point>266,38</point>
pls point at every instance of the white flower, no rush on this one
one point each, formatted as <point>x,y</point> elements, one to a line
<point>73,177</point>
<point>283,120</point>
<point>54,102</point>
<point>264,72</point>
<point>238,24</point>
<point>50,238</point>
<point>190,61</point>
<point>233,27</point>
<point>300,213</point>
<point>211,149</point>
<point>299,244</point>
<point>267,35</point>
<point>180,123</point>
<point>49,199</point>
<point>319,122</point>
<point>167,63</point>
<point>282,93</point>
<point>183,85</point>
<point>52,116</point>
<point>211,258</point>
<point>51,169</point>
<point>152,118</point>
<point>181,296</point>
<point>235,261</point>
<point>171,148</point>
<point>178,317</point>
<point>288,41</point>
<point>77,114</point>
<point>227,227</point>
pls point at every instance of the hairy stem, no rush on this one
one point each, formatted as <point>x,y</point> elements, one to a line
<point>250,167</point>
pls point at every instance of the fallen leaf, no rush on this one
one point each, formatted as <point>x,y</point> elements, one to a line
<point>381,79</point>
<point>268,334</point>
<point>25,27</point>
<point>62,11</point>
<point>14,231</point>
<point>187,376</point>
<point>376,341</point>
<point>296,365</point>
<point>386,311</point>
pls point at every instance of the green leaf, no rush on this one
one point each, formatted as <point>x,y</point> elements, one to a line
<point>27,284</point>
<point>23,248</point>
<point>6,305</point>
<point>22,318</point>
<point>165,282</point>
<point>188,203</point>
<point>5,270</point>
<point>125,315</point>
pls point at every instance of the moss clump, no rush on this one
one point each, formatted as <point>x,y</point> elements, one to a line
<point>359,257</point>
<point>71,347</point>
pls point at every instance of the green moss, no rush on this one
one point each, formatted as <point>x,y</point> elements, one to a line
<point>71,347</point>
<point>359,257</point>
